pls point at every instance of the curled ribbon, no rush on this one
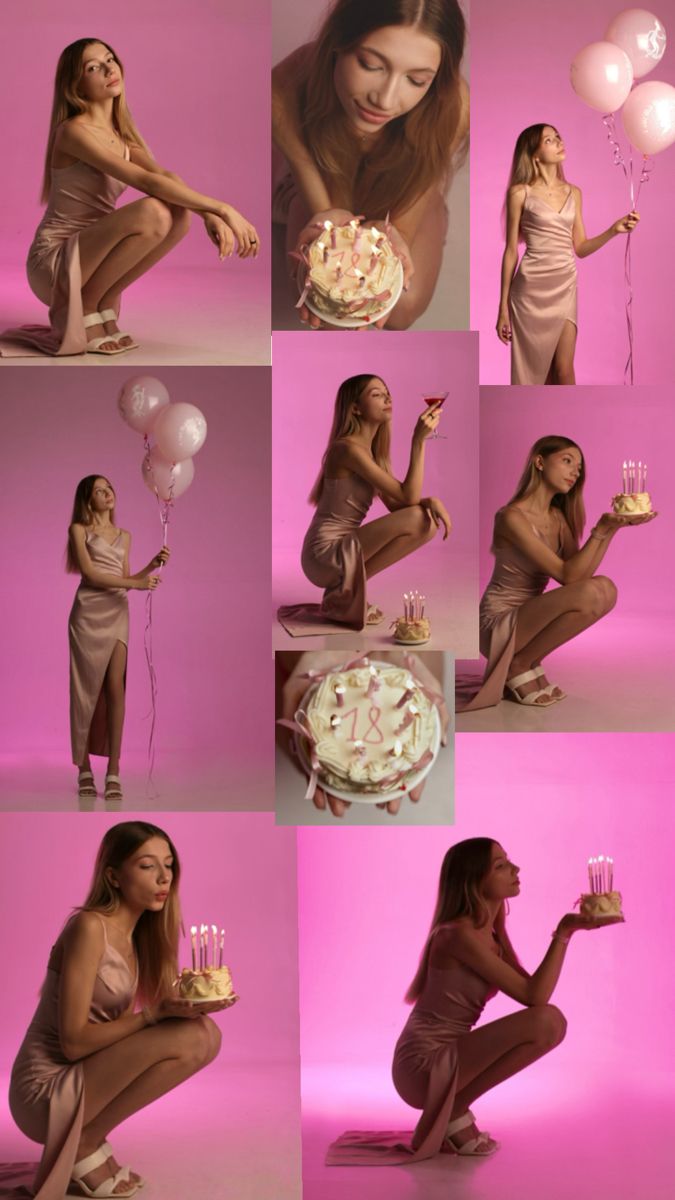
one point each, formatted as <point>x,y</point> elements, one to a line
<point>164,511</point>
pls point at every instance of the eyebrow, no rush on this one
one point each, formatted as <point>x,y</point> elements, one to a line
<point>410,70</point>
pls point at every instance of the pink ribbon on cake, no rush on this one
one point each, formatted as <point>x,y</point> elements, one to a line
<point>433,697</point>
<point>316,676</point>
<point>300,725</point>
<point>391,780</point>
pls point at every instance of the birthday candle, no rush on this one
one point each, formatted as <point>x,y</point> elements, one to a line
<point>339,695</point>
<point>193,939</point>
<point>408,693</point>
<point>397,749</point>
<point>222,944</point>
<point>374,684</point>
<point>625,477</point>
<point>645,475</point>
<point>335,721</point>
<point>330,228</point>
<point>360,749</point>
<point>590,874</point>
<point>323,250</point>
<point>214,931</point>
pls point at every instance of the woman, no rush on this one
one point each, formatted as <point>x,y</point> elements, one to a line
<point>537,537</point>
<point>339,553</point>
<point>85,252</point>
<point>89,1060</point>
<point>441,1063</point>
<point>98,630</point>
<point>538,304</point>
<point>366,120</point>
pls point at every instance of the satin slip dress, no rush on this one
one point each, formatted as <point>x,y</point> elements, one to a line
<point>424,1071</point>
<point>46,1094</point>
<point>99,619</point>
<point>332,559</point>
<point>543,293</point>
<point>515,579</point>
<point>79,196</point>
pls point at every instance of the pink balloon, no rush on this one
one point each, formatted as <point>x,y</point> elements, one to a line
<point>180,431</point>
<point>649,117</point>
<point>602,76</point>
<point>641,35</point>
<point>158,474</point>
<point>141,401</point>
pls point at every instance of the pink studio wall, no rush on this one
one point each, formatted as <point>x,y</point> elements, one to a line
<point>238,871</point>
<point>197,85</point>
<point>212,667</point>
<point>307,374</point>
<point>366,901</point>
<point>521,59</point>
<point>610,425</point>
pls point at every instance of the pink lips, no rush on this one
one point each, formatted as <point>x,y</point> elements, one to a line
<point>373,117</point>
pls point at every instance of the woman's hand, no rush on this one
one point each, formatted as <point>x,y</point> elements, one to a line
<point>148,583</point>
<point>610,521</point>
<point>573,922</point>
<point>427,422</point>
<point>438,513</point>
<point>161,559</point>
<point>245,233</point>
<point>173,1006</point>
<point>309,232</point>
<point>504,326</point>
<point>627,224</point>
<point>220,234</point>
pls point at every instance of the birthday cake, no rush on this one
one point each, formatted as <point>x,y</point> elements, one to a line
<point>352,273</point>
<point>369,729</point>
<point>628,504</point>
<point>418,630</point>
<point>601,904</point>
<point>212,983</point>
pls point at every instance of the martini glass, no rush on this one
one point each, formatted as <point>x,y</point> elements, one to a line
<point>437,397</point>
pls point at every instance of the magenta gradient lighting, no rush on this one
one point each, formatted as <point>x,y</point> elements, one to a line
<point>520,75</point>
<point>307,374</point>
<point>237,870</point>
<point>365,906</point>
<point>212,667</point>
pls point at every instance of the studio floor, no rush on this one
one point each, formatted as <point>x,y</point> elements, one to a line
<point>189,1144</point>
<point>616,678</point>
<point>179,317</point>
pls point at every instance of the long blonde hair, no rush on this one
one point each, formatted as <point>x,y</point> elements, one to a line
<point>571,503</point>
<point>155,936</point>
<point>523,166</point>
<point>411,152</point>
<point>67,103</point>
<point>459,895</point>
<point>346,422</point>
<point>82,514</point>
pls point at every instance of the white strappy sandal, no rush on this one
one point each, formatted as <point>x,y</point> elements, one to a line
<point>86,788</point>
<point>531,698</point>
<point>109,1152</point>
<point>113,788</point>
<point>94,346</point>
<point>105,1190</point>
<point>109,314</point>
<point>481,1146</point>
<point>550,688</point>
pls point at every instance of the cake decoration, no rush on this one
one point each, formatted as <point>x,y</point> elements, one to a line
<point>206,980</point>
<point>634,499</point>
<point>413,628</point>
<point>351,273</point>
<point>601,900</point>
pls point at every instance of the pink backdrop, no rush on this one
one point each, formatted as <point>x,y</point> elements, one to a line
<point>365,904</point>
<point>521,58</point>
<point>217,581</point>
<point>197,87</point>
<point>610,425</point>
<point>307,374</point>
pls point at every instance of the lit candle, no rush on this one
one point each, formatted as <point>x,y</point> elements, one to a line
<point>222,944</point>
<point>361,278</point>
<point>323,251</point>
<point>601,873</point>
<point>193,939</point>
<point>360,749</point>
<point>397,749</point>
<point>214,932</point>
<point>644,465</point>
<point>330,228</point>
<point>335,721</point>
<point>611,874</point>
<point>590,871</point>
<point>339,695</point>
<point>408,693</point>
<point>374,683</point>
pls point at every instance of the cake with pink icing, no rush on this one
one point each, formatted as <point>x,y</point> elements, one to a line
<point>352,273</point>
<point>212,983</point>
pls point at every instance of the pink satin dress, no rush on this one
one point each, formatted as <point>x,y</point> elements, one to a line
<point>424,1070</point>
<point>99,619</point>
<point>543,293</point>
<point>332,559</point>
<point>79,196</point>
<point>46,1094</point>
<point>514,580</point>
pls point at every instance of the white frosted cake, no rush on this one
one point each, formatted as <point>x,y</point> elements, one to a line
<point>412,631</point>
<point>352,272</point>
<point>214,983</point>
<point>372,727</point>
<point>628,504</point>
<point>601,904</point>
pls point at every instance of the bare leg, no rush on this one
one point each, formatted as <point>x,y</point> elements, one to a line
<point>562,367</point>
<point>550,620</point>
<point>181,219</point>
<point>426,250</point>
<point>114,695</point>
<point>126,1077</point>
<point>389,539</point>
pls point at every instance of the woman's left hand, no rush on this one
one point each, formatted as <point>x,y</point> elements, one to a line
<point>402,252</point>
<point>439,514</point>
<point>160,559</point>
<point>220,234</point>
<point>626,224</point>
<point>244,232</point>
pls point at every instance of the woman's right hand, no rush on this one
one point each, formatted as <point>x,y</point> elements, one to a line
<point>148,583</point>
<point>439,514</point>
<point>504,326</point>
<point>573,922</point>
<point>173,1006</point>
<point>427,422</point>
<point>610,521</point>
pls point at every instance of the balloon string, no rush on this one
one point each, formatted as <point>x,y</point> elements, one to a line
<point>164,507</point>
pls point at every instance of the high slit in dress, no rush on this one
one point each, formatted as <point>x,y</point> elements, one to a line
<point>332,559</point>
<point>543,293</point>
<point>79,196</point>
<point>514,580</point>
<point>424,1070</point>
<point>46,1094</point>
<point>99,619</point>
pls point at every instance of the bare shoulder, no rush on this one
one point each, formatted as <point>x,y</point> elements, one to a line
<point>517,192</point>
<point>449,938</point>
<point>575,189</point>
<point>125,535</point>
<point>84,929</point>
<point>77,529</point>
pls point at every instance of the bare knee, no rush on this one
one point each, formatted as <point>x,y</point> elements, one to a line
<point>155,217</point>
<point>199,1042</point>
<point>598,596</point>
<point>549,1025</point>
<point>420,524</point>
